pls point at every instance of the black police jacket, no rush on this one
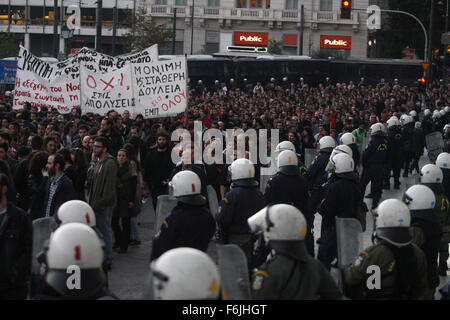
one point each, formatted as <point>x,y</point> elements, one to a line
<point>355,152</point>
<point>317,175</point>
<point>418,141</point>
<point>239,204</point>
<point>187,226</point>
<point>395,144</point>
<point>432,229</point>
<point>341,199</point>
<point>15,248</point>
<point>427,125</point>
<point>376,152</point>
<point>282,188</point>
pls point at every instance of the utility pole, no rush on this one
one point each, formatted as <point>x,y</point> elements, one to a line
<point>115,18</point>
<point>98,35</point>
<point>192,25</point>
<point>302,29</point>
<point>430,31</point>
<point>55,28</point>
<point>174,32</point>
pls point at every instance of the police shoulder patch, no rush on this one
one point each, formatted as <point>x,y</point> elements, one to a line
<point>259,279</point>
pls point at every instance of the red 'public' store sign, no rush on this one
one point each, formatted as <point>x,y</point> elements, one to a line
<point>251,38</point>
<point>336,42</point>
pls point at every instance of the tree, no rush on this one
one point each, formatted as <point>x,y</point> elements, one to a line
<point>9,44</point>
<point>274,46</point>
<point>144,32</point>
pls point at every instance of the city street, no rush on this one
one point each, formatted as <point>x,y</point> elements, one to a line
<point>129,271</point>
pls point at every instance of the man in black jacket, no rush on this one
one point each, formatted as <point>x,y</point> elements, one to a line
<point>59,187</point>
<point>114,137</point>
<point>157,168</point>
<point>15,247</point>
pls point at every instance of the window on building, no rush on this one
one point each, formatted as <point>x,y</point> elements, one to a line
<point>161,2</point>
<point>212,41</point>
<point>253,4</point>
<point>180,2</point>
<point>213,3</point>
<point>326,5</point>
<point>291,4</point>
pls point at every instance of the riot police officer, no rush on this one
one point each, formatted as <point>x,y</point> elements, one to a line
<point>341,199</point>
<point>184,274</point>
<point>75,244</point>
<point>287,145</point>
<point>418,144</point>
<point>374,159</point>
<point>426,230</point>
<point>407,133</point>
<point>317,176</point>
<point>289,187</point>
<point>190,224</point>
<point>427,122</point>
<point>238,204</point>
<point>350,140</point>
<point>402,264</point>
<point>432,177</point>
<point>289,272</point>
<point>395,150</point>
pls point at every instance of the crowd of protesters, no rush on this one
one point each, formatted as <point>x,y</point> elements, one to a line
<point>114,161</point>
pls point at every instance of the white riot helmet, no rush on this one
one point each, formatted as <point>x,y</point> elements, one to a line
<point>393,222</point>
<point>377,129</point>
<point>419,198</point>
<point>186,187</point>
<point>75,244</point>
<point>342,163</point>
<point>431,173</point>
<point>413,113</point>
<point>447,109</point>
<point>348,138</point>
<point>327,143</point>
<point>339,149</point>
<point>392,122</point>
<point>185,274</point>
<point>243,172</point>
<point>436,114</point>
<point>402,119</point>
<point>408,119</point>
<point>427,112</point>
<point>282,224</point>
<point>284,145</point>
<point>395,117</point>
<point>443,160</point>
<point>76,211</point>
<point>442,112</point>
<point>287,163</point>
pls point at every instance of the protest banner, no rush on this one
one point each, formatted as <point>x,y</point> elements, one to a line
<point>59,82</point>
<point>160,88</point>
<point>102,92</point>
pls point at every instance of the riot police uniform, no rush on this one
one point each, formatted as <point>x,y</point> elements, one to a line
<point>427,122</point>
<point>341,199</point>
<point>426,230</point>
<point>443,162</point>
<point>395,151</point>
<point>190,224</point>
<point>407,132</point>
<point>289,273</point>
<point>238,204</point>
<point>374,159</point>
<point>402,265</point>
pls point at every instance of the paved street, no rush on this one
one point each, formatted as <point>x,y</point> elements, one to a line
<point>129,271</point>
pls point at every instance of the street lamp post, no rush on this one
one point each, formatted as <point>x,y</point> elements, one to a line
<point>192,25</point>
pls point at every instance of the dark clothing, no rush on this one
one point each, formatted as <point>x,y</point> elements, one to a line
<point>356,155</point>
<point>70,173</point>
<point>408,154</point>
<point>115,142</point>
<point>64,192</point>
<point>16,242</point>
<point>317,175</point>
<point>79,182</point>
<point>374,160</point>
<point>282,188</point>
<point>426,232</point>
<point>37,186</point>
<point>239,204</point>
<point>213,176</point>
<point>126,190</point>
<point>186,226</point>
<point>157,167</point>
<point>427,125</point>
<point>394,155</point>
<point>341,199</point>
<point>21,182</point>
<point>418,144</point>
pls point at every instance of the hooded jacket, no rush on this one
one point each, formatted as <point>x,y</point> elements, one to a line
<point>102,192</point>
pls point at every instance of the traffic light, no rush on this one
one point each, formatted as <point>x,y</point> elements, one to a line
<point>421,84</point>
<point>422,80</point>
<point>346,9</point>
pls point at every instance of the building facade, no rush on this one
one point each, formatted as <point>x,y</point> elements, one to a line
<point>217,24</point>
